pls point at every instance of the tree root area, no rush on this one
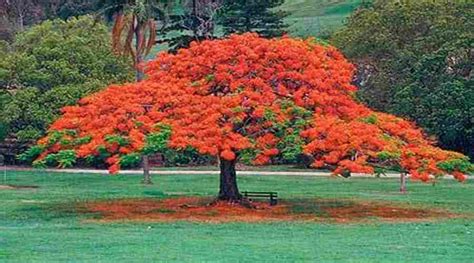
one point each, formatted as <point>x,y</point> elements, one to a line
<point>196,209</point>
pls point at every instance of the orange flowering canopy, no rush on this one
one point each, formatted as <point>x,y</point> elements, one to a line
<point>243,96</point>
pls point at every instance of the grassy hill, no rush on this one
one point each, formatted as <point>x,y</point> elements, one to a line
<point>317,17</point>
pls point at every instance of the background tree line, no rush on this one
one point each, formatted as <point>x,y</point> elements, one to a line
<point>414,58</point>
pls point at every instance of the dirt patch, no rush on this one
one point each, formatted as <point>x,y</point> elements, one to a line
<point>17,187</point>
<point>199,210</point>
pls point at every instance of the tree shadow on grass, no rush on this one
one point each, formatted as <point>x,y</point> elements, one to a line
<point>317,207</point>
<point>198,209</point>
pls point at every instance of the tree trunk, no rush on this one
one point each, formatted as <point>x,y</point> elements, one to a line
<point>21,23</point>
<point>146,170</point>
<point>139,77</point>
<point>138,54</point>
<point>228,189</point>
<point>403,183</point>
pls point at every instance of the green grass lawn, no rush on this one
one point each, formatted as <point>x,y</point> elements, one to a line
<point>36,227</point>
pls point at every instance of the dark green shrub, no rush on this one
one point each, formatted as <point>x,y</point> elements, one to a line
<point>415,59</point>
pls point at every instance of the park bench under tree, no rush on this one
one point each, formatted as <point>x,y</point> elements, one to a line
<point>272,196</point>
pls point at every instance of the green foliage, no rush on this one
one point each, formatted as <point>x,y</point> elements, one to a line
<point>52,65</point>
<point>63,159</point>
<point>3,131</point>
<point>291,145</point>
<point>371,119</point>
<point>69,8</point>
<point>130,160</point>
<point>31,154</point>
<point>386,155</point>
<point>461,165</point>
<point>158,142</point>
<point>66,158</point>
<point>39,164</point>
<point>188,21</point>
<point>143,9</point>
<point>416,61</point>
<point>200,20</point>
<point>187,156</point>
<point>262,17</point>
<point>247,156</point>
<point>82,140</point>
<point>120,140</point>
<point>4,99</point>
<point>56,53</point>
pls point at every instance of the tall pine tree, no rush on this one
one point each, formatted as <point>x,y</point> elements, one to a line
<point>195,20</point>
<point>260,16</point>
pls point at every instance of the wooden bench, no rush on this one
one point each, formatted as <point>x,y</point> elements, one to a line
<point>272,196</point>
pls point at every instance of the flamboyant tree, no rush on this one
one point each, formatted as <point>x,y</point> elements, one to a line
<point>238,98</point>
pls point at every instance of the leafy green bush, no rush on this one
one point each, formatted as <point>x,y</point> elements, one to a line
<point>52,65</point>
<point>415,60</point>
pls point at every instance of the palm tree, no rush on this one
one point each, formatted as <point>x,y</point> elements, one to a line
<point>134,22</point>
<point>134,26</point>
